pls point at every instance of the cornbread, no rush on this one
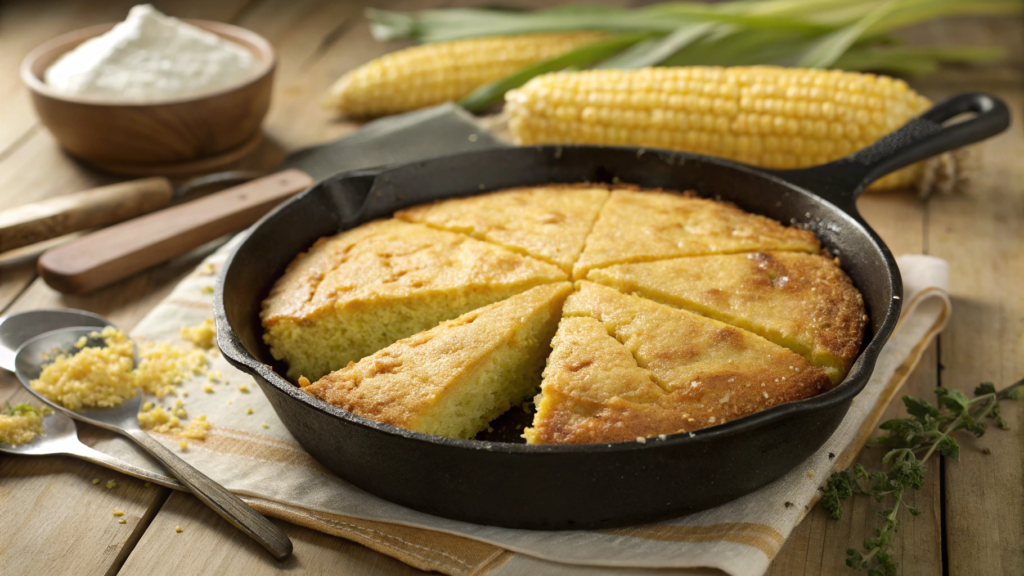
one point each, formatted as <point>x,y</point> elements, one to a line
<point>102,377</point>
<point>92,377</point>
<point>21,423</point>
<point>686,313</point>
<point>163,366</point>
<point>624,367</point>
<point>641,226</point>
<point>355,293</point>
<point>454,379</point>
<point>550,223</point>
<point>203,335</point>
<point>804,302</point>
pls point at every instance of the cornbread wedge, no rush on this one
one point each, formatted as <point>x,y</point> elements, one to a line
<point>355,293</point>
<point>638,226</point>
<point>550,223</point>
<point>610,347</point>
<point>804,302</point>
<point>454,379</point>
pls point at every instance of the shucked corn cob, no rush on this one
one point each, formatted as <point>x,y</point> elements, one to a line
<point>765,116</point>
<point>431,74</point>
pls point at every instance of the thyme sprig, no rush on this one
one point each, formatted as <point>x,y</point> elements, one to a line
<point>929,430</point>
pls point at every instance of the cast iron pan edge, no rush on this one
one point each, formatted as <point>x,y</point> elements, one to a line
<point>838,182</point>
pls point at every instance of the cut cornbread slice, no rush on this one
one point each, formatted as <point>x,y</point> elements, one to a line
<point>355,293</point>
<point>454,379</point>
<point>641,226</point>
<point>804,302</point>
<point>707,372</point>
<point>547,222</point>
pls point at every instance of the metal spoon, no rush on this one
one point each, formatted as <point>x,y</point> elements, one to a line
<point>62,439</point>
<point>18,328</point>
<point>123,419</point>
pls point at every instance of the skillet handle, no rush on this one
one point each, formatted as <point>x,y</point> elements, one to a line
<point>842,181</point>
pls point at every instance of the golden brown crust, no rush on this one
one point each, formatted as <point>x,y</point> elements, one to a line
<point>550,222</point>
<point>804,302</point>
<point>708,372</point>
<point>391,260</point>
<point>641,226</point>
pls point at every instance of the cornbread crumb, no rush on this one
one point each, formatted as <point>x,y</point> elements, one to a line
<point>197,428</point>
<point>111,484</point>
<point>95,480</point>
<point>207,388</point>
<point>207,270</point>
<point>159,420</point>
<point>264,425</point>
<point>214,375</point>
<point>180,413</point>
<point>203,335</point>
<point>118,512</point>
<point>641,440</point>
<point>164,366</point>
<point>183,444</point>
<point>92,377</point>
<point>147,406</point>
<point>208,289</point>
<point>177,528</point>
<point>122,521</point>
<point>21,423</point>
<point>243,388</point>
<point>248,410</point>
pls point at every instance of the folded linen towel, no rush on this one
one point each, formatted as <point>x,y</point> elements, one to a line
<point>255,457</point>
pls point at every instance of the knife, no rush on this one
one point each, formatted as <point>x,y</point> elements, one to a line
<point>111,254</point>
<point>53,217</point>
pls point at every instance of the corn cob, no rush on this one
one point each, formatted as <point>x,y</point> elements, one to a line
<point>765,116</point>
<point>431,74</point>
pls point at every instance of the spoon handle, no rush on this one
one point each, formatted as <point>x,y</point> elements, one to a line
<point>88,454</point>
<point>229,506</point>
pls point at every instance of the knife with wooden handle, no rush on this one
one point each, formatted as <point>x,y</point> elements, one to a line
<point>121,250</point>
<point>31,223</point>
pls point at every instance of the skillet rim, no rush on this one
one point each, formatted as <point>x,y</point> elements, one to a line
<point>239,356</point>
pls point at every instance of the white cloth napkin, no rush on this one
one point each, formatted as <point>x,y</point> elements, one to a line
<point>255,457</point>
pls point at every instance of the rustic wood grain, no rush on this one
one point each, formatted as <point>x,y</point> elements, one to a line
<point>981,234</point>
<point>207,544</point>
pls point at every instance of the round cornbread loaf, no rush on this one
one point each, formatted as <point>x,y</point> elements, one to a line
<point>686,313</point>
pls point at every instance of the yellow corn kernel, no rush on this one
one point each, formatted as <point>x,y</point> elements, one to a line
<point>762,115</point>
<point>432,74</point>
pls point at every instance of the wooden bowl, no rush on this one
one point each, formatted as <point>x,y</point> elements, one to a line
<point>156,134</point>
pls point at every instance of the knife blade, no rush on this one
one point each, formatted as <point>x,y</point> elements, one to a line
<point>116,252</point>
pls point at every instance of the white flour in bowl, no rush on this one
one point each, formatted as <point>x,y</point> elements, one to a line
<point>151,57</point>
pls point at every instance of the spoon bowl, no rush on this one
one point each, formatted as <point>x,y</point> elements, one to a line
<point>61,438</point>
<point>18,328</point>
<point>29,362</point>
<point>33,356</point>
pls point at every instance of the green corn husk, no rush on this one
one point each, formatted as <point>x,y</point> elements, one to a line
<point>842,34</point>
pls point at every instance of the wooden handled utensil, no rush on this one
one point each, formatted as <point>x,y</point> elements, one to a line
<point>123,249</point>
<point>111,254</point>
<point>39,221</point>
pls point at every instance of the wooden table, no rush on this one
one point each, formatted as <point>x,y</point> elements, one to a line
<point>53,520</point>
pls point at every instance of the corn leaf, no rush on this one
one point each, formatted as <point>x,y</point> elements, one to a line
<point>582,57</point>
<point>654,51</point>
<point>829,48</point>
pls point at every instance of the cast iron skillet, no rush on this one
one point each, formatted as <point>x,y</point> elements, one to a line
<point>589,486</point>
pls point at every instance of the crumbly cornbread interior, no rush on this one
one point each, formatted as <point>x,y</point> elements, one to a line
<point>453,379</point>
<point>692,313</point>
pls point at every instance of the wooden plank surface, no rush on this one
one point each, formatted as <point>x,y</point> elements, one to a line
<point>972,520</point>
